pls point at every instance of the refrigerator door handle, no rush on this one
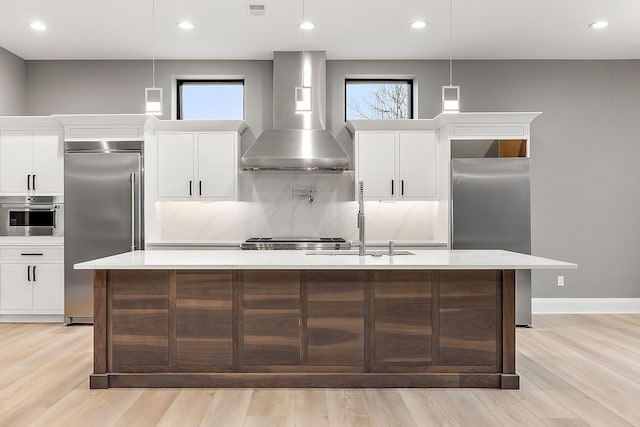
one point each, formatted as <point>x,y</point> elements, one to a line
<point>133,211</point>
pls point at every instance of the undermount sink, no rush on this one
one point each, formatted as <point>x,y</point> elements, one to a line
<point>374,253</point>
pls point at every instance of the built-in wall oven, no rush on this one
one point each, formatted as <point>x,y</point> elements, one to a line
<point>31,216</point>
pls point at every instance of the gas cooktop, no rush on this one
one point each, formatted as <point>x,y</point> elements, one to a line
<point>277,243</point>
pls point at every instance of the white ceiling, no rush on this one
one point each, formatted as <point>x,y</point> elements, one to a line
<point>345,29</point>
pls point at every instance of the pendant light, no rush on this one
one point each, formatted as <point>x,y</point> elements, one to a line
<point>303,93</point>
<point>450,94</point>
<point>153,95</point>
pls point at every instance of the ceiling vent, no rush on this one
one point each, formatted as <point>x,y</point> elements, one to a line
<point>257,10</point>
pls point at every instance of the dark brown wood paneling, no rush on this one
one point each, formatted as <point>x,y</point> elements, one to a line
<point>238,320</point>
<point>335,317</point>
<point>100,322</point>
<point>369,322</point>
<point>402,317</point>
<point>468,320</point>
<point>139,319</point>
<point>173,335</point>
<point>305,380</point>
<point>271,317</point>
<point>204,318</point>
<point>435,319</point>
<point>509,322</point>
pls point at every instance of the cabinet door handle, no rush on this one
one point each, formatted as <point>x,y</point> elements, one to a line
<point>402,187</point>
<point>29,182</point>
<point>34,273</point>
<point>33,182</point>
<point>28,273</point>
<point>190,188</point>
<point>392,190</point>
<point>200,188</point>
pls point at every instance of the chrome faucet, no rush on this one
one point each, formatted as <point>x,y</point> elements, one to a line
<point>363,248</point>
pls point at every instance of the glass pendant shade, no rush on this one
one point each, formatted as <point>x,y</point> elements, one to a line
<point>450,99</point>
<point>303,99</point>
<point>153,100</point>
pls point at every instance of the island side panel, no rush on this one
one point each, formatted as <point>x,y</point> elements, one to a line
<point>335,318</point>
<point>204,320</point>
<point>510,380</point>
<point>139,325</point>
<point>271,308</point>
<point>469,319</point>
<point>402,319</point>
<point>99,378</point>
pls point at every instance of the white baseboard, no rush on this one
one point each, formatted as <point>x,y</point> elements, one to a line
<point>31,318</point>
<point>585,305</point>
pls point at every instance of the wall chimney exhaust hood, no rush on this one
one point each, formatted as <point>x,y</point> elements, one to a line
<point>298,141</point>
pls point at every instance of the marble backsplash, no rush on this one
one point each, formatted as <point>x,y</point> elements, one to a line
<point>269,208</point>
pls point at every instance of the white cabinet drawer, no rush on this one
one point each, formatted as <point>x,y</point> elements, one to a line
<point>31,253</point>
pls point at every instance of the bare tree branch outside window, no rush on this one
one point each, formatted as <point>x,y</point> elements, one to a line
<point>382,100</point>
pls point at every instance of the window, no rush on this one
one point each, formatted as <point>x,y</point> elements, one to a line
<point>378,99</point>
<point>210,99</point>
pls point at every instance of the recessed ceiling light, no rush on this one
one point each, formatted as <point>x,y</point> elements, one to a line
<point>186,25</point>
<point>598,24</point>
<point>418,24</point>
<point>38,26</point>
<point>307,25</point>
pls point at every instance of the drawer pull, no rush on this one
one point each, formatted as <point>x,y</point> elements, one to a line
<point>32,254</point>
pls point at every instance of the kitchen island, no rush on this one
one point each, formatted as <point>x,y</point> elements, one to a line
<point>434,318</point>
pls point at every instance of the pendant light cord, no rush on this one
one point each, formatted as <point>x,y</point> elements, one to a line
<point>153,43</point>
<point>450,42</point>
<point>301,27</point>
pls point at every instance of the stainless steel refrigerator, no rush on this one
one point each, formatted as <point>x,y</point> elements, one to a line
<point>491,209</point>
<point>103,213</point>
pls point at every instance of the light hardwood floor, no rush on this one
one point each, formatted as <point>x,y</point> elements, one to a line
<point>575,370</point>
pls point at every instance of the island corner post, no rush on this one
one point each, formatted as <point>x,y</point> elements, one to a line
<point>304,328</point>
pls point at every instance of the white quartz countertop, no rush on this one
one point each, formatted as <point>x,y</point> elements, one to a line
<point>301,260</point>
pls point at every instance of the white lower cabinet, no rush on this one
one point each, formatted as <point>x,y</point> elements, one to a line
<point>31,281</point>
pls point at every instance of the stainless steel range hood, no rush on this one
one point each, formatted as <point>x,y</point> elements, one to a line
<point>298,141</point>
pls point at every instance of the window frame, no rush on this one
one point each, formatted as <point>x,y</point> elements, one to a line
<point>409,81</point>
<point>181,81</point>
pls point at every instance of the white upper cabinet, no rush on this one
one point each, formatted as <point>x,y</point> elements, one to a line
<point>217,168</point>
<point>197,165</point>
<point>376,164</point>
<point>31,162</point>
<point>175,165</point>
<point>417,164</point>
<point>397,165</point>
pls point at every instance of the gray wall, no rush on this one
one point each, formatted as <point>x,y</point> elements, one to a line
<point>12,84</point>
<point>96,87</point>
<point>585,150</point>
<point>586,201</point>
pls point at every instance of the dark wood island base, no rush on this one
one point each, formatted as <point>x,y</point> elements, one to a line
<point>304,328</point>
